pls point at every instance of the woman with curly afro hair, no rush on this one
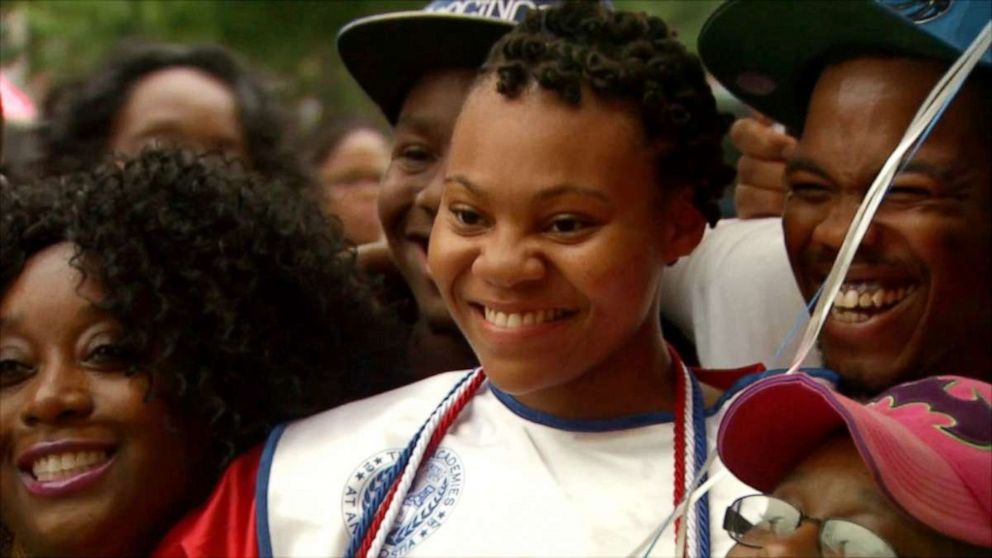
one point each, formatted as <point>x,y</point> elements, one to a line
<point>586,158</point>
<point>194,96</point>
<point>157,319</point>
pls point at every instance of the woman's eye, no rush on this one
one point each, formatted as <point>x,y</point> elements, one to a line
<point>110,355</point>
<point>13,371</point>
<point>466,217</point>
<point>568,224</point>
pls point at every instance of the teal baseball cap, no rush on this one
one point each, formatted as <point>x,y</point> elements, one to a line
<point>769,53</point>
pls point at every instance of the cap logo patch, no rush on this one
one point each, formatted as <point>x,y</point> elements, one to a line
<point>506,10</point>
<point>955,409</point>
<point>919,11</point>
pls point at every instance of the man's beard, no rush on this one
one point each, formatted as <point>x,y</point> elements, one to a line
<point>855,380</point>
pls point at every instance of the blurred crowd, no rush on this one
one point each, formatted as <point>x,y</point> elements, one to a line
<point>513,316</point>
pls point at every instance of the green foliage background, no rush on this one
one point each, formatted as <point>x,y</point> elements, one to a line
<point>291,40</point>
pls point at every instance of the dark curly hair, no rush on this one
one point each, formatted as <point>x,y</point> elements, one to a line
<point>247,298</point>
<point>80,115</point>
<point>622,55</point>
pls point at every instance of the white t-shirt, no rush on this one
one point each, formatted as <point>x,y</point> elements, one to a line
<point>735,296</point>
<point>505,481</point>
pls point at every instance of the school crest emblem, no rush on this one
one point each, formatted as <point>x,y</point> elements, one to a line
<point>428,504</point>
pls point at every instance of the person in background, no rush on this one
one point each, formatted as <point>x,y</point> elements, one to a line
<point>349,157</point>
<point>194,96</point>
<point>158,318</point>
<point>419,83</point>
<point>907,474</point>
<point>918,297</point>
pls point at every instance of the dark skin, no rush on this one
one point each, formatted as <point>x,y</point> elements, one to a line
<point>64,382</point>
<point>408,203</point>
<point>926,252</point>
<point>350,177</point>
<point>834,482</point>
<point>180,106</point>
<point>539,217</point>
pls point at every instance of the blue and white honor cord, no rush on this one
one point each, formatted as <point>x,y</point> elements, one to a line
<point>378,517</point>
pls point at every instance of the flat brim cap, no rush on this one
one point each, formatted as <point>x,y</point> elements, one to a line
<point>776,423</point>
<point>769,53</point>
<point>388,54</point>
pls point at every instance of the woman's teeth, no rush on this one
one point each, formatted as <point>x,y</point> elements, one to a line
<point>859,302</point>
<point>63,465</point>
<point>514,320</point>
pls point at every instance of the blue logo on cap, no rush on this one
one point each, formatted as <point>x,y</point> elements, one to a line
<point>920,11</point>
<point>511,11</point>
<point>956,23</point>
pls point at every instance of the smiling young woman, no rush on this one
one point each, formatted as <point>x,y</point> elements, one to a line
<point>198,97</point>
<point>587,156</point>
<point>156,319</point>
<point>81,443</point>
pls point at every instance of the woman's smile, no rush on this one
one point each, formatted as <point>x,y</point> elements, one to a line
<point>88,447</point>
<point>62,467</point>
<point>550,254</point>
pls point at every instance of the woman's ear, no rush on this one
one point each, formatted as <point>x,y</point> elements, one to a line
<point>683,225</point>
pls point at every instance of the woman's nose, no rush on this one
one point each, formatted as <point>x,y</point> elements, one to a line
<point>60,392</point>
<point>505,261</point>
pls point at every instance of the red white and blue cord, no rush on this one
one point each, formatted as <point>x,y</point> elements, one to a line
<point>690,425</point>
<point>386,503</point>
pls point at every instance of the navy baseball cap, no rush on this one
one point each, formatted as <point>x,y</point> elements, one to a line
<point>769,53</point>
<point>387,54</point>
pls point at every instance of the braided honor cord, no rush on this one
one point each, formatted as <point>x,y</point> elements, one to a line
<point>377,518</point>
<point>690,455</point>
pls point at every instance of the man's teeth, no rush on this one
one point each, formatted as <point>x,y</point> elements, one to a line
<point>855,303</point>
<point>514,320</point>
<point>63,465</point>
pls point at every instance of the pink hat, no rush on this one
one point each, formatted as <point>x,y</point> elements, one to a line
<point>927,443</point>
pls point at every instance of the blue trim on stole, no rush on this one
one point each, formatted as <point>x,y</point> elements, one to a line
<point>642,419</point>
<point>580,425</point>
<point>262,492</point>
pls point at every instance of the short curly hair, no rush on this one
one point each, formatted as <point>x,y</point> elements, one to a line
<point>249,300</point>
<point>80,115</point>
<point>622,55</point>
